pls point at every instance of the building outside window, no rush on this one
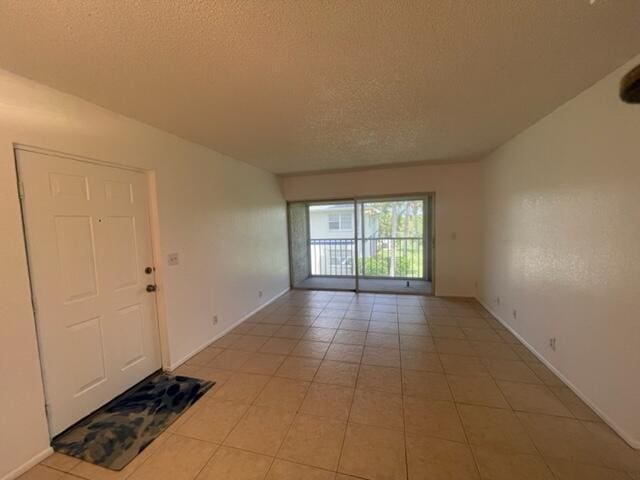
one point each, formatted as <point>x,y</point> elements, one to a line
<point>340,221</point>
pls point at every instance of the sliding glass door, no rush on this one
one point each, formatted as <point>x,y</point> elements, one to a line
<point>375,245</point>
<point>328,236</point>
<point>392,245</point>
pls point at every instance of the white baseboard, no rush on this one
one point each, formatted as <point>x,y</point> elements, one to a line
<point>32,462</point>
<point>633,443</point>
<point>176,364</point>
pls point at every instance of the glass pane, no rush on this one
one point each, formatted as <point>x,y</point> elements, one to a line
<point>332,246</point>
<point>391,246</point>
<point>324,232</point>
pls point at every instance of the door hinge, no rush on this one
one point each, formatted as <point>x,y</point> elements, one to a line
<point>47,409</point>
<point>20,189</point>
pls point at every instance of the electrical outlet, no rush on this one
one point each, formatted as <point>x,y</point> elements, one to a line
<point>173,259</point>
<point>552,343</point>
<point>259,293</point>
<point>515,314</point>
<point>214,320</point>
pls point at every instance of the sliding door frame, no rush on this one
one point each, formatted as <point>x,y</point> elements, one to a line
<point>308,219</point>
<point>429,234</point>
<point>425,234</point>
<point>355,244</point>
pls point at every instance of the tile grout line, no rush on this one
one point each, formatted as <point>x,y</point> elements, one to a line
<point>512,410</point>
<point>464,430</point>
<point>402,396</point>
<point>273,458</point>
<point>344,436</point>
<point>297,412</point>
<point>514,414</point>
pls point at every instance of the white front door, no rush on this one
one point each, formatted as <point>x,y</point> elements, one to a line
<point>88,242</point>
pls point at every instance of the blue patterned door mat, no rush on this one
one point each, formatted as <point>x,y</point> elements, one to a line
<point>116,433</point>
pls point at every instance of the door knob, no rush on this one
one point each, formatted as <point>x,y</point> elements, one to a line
<point>152,288</point>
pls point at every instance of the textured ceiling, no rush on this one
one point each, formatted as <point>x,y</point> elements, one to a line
<point>310,85</point>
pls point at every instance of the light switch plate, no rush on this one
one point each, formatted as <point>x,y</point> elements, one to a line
<point>173,259</point>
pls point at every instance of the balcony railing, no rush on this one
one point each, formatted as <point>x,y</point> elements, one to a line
<point>399,257</point>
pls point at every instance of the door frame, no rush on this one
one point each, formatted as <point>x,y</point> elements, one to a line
<point>429,232</point>
<point>154,232</point>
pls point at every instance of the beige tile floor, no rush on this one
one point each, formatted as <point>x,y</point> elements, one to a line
<point>325,385</point>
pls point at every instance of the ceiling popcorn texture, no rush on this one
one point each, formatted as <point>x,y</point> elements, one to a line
<point>294,86</point>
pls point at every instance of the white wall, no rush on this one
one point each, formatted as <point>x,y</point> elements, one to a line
<point>458,200</point>
<point>562,245</point>
<point>226,219</point>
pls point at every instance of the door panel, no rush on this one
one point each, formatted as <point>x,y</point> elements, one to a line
<point>123,250</point>
<point>131,347</point>
<point>75,187</point>
<point>76,256</point>
<point>88,354</point>
<point>88,241</point>
<point>118,193</point>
